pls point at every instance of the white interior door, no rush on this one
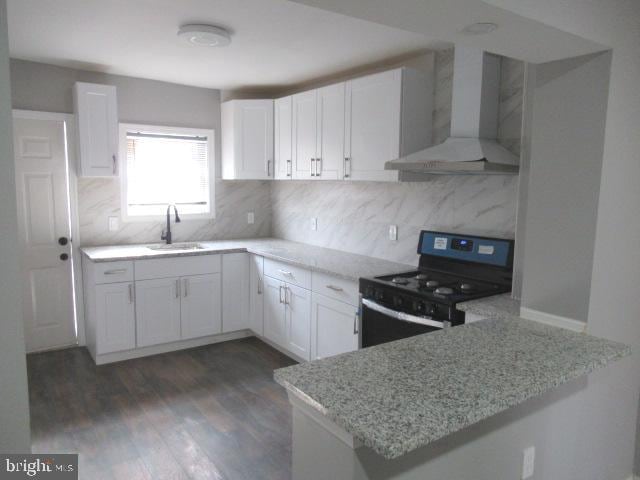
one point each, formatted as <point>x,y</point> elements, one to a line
<point>43,225</point>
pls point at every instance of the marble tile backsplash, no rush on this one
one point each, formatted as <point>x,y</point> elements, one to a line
<point>99,198</point>
<point>355,217</point>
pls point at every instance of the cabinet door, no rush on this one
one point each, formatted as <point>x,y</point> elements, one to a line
<point>330,140</point>
<point>235,291</point>
<point>298,321</point>
<point>201,307</point>
<point>334,327</point>
<point>304,135</point>
<point>373,125</point>
<point>247,139</point>
<point>274,311</point>
<point>256,294</point>
<point>283,140</point>
<point>158,311</point>
<point>115,317</point>
<point>97,119</point>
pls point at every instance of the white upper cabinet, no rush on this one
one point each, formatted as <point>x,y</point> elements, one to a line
<point>305,124</point>
<point>247,139</point>
<point>97,119</point>
<point>329,163</point>
<point>283,140</point>
<point>387,115</point>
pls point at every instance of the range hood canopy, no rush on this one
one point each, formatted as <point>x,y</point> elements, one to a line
<point>472,147</point>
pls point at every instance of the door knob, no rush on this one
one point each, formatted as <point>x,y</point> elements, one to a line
<point>64,257</point>
<point>63,240</point>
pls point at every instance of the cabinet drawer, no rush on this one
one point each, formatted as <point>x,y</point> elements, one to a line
<point>112,272</point>
<point>288,273</point>
<point>335,287</point>
<point>177,266</point>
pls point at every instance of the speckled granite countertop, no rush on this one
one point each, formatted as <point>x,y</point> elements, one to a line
<point>403,395</point>
<point>497,306</point>
<point>343,264</point>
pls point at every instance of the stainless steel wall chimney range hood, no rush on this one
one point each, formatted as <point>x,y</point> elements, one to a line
<point>472,147</point>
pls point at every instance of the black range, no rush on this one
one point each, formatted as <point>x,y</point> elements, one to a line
<point>452,268</point>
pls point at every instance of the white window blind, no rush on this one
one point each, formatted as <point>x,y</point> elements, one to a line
<point>167,169</point>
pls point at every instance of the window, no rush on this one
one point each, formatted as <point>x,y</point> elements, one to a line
<point>166,165</point>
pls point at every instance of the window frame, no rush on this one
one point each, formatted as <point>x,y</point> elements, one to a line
<point>166,130</point>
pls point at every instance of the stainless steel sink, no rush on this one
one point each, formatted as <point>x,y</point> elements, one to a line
<point>184,246</point>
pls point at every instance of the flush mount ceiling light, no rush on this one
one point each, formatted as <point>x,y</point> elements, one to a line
<point>204,35</point>
<point>479,28</point>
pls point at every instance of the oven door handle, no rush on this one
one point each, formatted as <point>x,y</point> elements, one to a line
<point>405,317</point>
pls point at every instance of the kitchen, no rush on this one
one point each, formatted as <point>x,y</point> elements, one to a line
<point>279,236</point>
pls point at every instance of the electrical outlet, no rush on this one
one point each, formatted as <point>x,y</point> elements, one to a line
<point>251,218</point>
<point>393,232</point>
<point>314,223</point>
<point>528,461</point>
<point>114,224</point>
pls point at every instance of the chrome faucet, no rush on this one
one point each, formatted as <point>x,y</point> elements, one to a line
<point>166,234</point>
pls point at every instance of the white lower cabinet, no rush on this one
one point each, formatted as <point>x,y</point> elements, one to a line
<point>158,311</point>
<point>274,311</point>
<point>287,310</point>
<point>298,313</point>
<point>201,313</point>
<point>115,317</point>
<point>235,291</point>
<point>334,327</point>
<point>256,294</point>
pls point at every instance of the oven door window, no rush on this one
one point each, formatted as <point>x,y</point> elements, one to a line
<point>379,328</point>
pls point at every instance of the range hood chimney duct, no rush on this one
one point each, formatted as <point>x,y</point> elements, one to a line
<point>472,147</point>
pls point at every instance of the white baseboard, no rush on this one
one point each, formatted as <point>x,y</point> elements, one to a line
<point>553,320</point>
<point>170,347</point>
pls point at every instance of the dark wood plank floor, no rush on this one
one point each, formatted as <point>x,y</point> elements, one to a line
<point>212,412</point>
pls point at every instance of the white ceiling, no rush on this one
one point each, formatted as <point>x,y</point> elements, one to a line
<point>516,36</point>
<point>275,42</point>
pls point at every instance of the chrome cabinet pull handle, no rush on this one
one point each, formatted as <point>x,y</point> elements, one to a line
<point>355,323</point>
<point>177,288</point>
<point>117,271</point>
<point>186,287</point>
<point>268,168</point>
<point>285,272</point>
<point>281,301</point>
<point>347,163</point>
<point>318,167</point>
<point>286,297</point>
<point>259,285</point>
<point>131,293</point>
<point>113,157</point>
<point>289,168</point>
<point>335,288</point>
<point>312,166</point>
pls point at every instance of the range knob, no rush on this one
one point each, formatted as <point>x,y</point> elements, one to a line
<point>397,301</point>
<point>431,309</point>
<point>419,307</point>
<point>379,295</point>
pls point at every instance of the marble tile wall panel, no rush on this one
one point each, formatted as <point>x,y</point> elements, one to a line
<point>99,198</point>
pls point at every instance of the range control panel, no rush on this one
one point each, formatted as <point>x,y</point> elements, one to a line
<point>485,250</point>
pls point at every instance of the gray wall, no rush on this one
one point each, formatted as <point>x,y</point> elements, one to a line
<point>14,404</point>
<point>567,136</point>
<point>38,86</point>
<point>355,216</point>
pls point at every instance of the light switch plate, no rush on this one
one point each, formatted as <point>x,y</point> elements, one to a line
<point>314,223</point>
<point>251,218</point>
<point>393,232</point>
<point>114,224</point>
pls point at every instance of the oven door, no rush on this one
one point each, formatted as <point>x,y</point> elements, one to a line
<point>381,324</point>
